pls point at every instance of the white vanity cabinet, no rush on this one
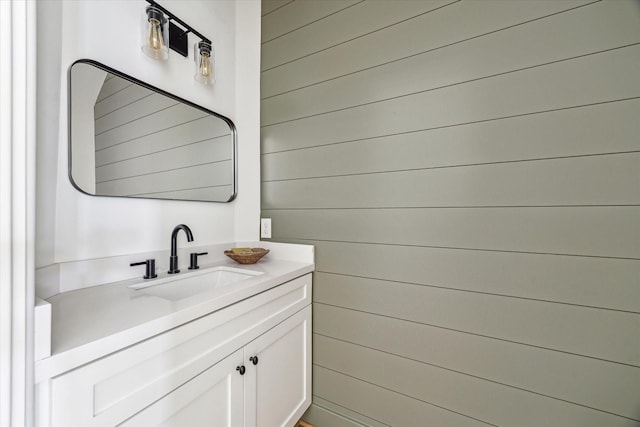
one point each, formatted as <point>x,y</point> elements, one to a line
<point>274,388</point>
<point>191,375</point>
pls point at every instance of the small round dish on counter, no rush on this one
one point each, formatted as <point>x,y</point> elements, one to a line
<point>246,255</point>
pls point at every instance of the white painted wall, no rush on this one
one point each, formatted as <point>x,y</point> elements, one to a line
<point>73,226</point>
<point>247,119</point>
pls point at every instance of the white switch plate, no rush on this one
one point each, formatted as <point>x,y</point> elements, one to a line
<point>265,228</point>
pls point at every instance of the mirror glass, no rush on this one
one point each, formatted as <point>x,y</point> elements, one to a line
<point>129,139</point>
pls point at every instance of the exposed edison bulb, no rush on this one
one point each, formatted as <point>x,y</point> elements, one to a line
<point>204,63</point>
<point>154,39</point>
<point>155,42</point>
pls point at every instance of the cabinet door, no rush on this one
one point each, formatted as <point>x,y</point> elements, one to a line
<point>278,387</point>
<point>211,399</point>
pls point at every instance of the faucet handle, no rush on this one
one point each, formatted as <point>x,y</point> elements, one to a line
<point>194,260</point>
<point>150,272</point>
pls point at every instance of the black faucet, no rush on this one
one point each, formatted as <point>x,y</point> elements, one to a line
<point>173,259</point>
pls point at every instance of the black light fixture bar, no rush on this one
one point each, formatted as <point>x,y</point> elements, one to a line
<point>178,40</point>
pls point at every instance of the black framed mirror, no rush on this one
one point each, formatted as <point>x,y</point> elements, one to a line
<point>130,139</point>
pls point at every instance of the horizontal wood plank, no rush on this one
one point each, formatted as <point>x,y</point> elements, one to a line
<point>557,182</point>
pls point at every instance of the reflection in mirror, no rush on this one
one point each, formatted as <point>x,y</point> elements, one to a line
<point>130,139</point>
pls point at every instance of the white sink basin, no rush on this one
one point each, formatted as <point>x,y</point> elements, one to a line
<point>184,285</point>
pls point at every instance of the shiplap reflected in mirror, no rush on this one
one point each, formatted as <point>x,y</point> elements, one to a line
<point>129,139</point>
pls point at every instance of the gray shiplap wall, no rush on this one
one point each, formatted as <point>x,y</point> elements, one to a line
<point>469,173</point>
<point>150,145</point>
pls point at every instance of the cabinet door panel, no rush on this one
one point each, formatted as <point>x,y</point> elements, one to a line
<point>278,388</point>
<point>212,399</point>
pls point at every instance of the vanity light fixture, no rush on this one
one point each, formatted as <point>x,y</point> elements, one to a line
<point>161,31</point>
<point>203,56</point>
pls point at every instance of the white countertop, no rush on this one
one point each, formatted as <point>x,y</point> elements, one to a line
<point>91,322</point>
